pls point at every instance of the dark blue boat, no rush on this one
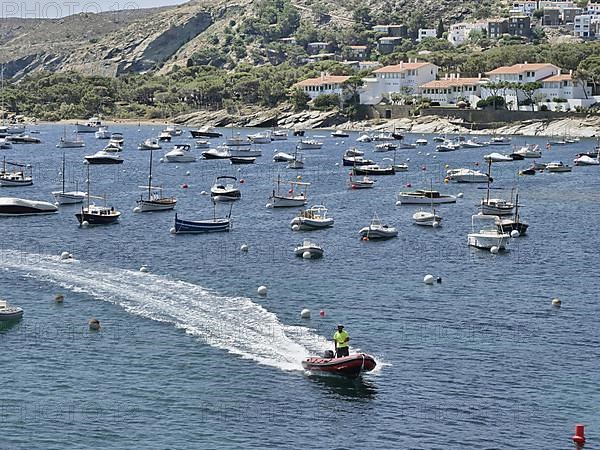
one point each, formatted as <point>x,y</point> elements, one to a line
<point>202,226</point>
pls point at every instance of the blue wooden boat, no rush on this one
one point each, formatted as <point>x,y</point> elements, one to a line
<point>213,225</point>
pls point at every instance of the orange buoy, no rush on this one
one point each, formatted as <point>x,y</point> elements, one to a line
<point>579,437</point>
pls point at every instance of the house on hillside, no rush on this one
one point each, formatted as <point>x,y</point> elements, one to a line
<point>386,45</point>
<point>497,27</point>
<point>519,26</point>
<point>356,52</point>
<point>526,7</point>
<point>452,89</point>
<point>564,87</point>
<point>426,33</point>
<point>568,14</point>
<point>405,77</point>
<point>459,32</point>
<point>325,84</point>
<point>593,7</point>
<point>314,48</point>
<point>392,30</point>
<point>552,17</point>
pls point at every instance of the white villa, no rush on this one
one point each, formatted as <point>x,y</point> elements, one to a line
<point>406,77</point>
<point>325,84</point>
<point>564,87</point>
<point>425,33</point>
<point>459,32</point>
<point>452,89</point>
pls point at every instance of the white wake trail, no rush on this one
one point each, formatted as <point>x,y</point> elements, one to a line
<point>235,324</point>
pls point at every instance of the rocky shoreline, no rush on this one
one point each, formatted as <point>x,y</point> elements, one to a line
<point>587,127</point>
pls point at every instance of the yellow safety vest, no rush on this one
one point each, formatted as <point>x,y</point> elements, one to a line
<point>340,338</point>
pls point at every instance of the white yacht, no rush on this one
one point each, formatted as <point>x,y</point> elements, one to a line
<point>180,154</point>
<point>377,230</point>
<point>225,189</point>
<point>149,144</point>
<point>313,218</point>
<point>309,250</point>
<point>486,233</point>
<point>529,151</point>
<point>424,197</point>
<point>91,126</point>
<point>309,144</point>
<point>102,133</point>
<point>263,137</point>
<point>467,176</point>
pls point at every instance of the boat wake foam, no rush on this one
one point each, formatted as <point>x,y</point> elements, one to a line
<point>235,324</point>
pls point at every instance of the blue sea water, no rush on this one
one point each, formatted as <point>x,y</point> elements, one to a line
<point>189,356</point>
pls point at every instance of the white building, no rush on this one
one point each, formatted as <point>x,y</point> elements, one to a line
<point>526,7</point>
<point>516,74</point>
<point>325,84</point>
<point>562,86</point>
<point>452,89</point>
<point>593,7</point>
<point>459,32</point>
<point>406,77</point>
<point>560,4</point>
<point>425,33</point>
<point>585,26</point>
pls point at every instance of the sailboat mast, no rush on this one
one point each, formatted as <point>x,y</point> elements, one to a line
<point>150,177</point>
<point>88,188</point>
<point>488,181</point>
<point>63,174</point>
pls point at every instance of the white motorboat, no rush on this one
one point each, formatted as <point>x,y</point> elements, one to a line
<point>377,230</point>
<point>471,143</point>
<point>164,137</point>
<point>13,128</point>
<point>150,144</point>
<point>5,144</point>
<point>384,136</point>
<point>282,157</point>
<point>497,157</point>
<point>244,152</point>
<point>486,232</point>
<point>529,151</point>
<point>279,135</point>
<point>385,147</point>
<point>225,189</point>
<point>173,131</point>
<point>289,198</point>
<point>360,183</point>
<point>313,218</point>
<point>447,146</point>
<point>155,200</point>
<point>263,137</point>
<point>339,134</point>
<point>117,139</point>
<point>427,218</point>
<point>10,206</point>
<point>63,197</point>
<point>400,167</point>
<point>102,133</point>
<point>351,152</point>
<point>91,126</point>
<point>180,154</point>
<point>9,313</point>
<point>309,250</point>
<point>500,140</point>
<point>103,157</point>
<point>23,139</point>
<point>364,138</point>
<point>217,153</point>
<point>309,144</point>
<point>112,147</point>
<point>237,141</point>
<point>439,139</point>
<point>75,142</point>
<point>407,145</point>
<point>201,144</point>
<point>467,176</point>
<point>557,167</point>
<point>421,141</point>
<point>424,197</point>
<point>585,160</point>
<point>356,161</point>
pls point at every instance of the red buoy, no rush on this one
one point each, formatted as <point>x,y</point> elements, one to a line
<point>184,186</point>
<point>242,181</point>
<point>322,313</point>
<point>579,437</point>
<point>408,185</point>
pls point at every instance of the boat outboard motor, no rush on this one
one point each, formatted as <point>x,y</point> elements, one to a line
<point>328,354</point>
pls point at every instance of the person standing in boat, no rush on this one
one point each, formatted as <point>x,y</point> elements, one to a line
<point>340,339</point>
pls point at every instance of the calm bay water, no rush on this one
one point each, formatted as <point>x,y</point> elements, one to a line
<point>190,357</point>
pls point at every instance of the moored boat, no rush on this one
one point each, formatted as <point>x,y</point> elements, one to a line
<point>377,230</point>
<point>486,234</point>
<point>313,218</point>
<point>180,154</point>
<point>424,197</point>
<point>102,157</point>
<point>279,199</point>
<point>11,206</point>
<point>9,313</point>
<point>91,126</point>
<point>309,250</point>
<point>205,132</point>
<point>225,189</point>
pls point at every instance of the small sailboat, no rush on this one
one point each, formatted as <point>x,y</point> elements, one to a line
<point>495,206</point>
<point>297,162</point>
<point>279,199</point>
<point>75,142</point>
<point>93,214</point>
<point>360,183</point>
<point>155,200</point>
<point>63,197</point>
<point>16,177</point>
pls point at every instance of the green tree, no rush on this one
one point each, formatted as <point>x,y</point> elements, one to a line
<point>439,32</point>
<point>299,99</point>
<point>529,89</point>
<point>589,70</point>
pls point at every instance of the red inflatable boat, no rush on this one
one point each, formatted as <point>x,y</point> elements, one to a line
<point>349,366</point>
